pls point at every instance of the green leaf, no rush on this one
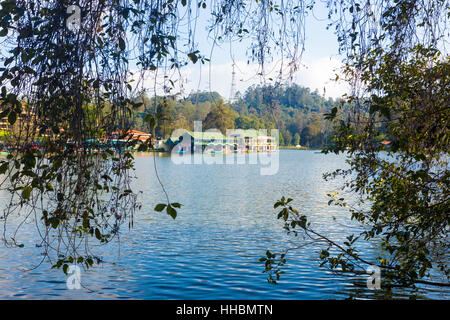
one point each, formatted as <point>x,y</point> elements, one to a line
<point>54,222</point>
<point>193,57</point>
<point>98,235</point>
<point>142,147</point>
<point>176,204</point>
<point>331,115</point>
<point>3,167</point>
<point>122,44</point>
<point>171,211</point>
<point>160,207</point>
<point>12,117</point>
<point>26,192</point>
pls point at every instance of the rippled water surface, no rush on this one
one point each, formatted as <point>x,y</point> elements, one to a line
<point>211,250</point>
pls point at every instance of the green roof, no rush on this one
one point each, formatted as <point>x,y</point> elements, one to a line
<point>250,133</point>
<point>209,135</point>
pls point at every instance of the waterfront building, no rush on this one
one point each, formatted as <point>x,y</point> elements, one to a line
<point>238,141</point>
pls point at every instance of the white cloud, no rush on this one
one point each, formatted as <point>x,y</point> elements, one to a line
<point>315,74</point>
<point>320,74</point>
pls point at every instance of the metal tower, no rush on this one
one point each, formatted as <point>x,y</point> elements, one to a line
<point>233,85</point>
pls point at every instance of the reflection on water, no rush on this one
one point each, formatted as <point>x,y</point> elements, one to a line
<point>211,250</point>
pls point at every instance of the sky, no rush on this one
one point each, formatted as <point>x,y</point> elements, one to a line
<point>319,64</point>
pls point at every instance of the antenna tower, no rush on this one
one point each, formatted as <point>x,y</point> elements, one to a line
<point>233,85</point>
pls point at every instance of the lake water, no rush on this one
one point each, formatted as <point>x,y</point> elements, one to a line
<point>211,250</point>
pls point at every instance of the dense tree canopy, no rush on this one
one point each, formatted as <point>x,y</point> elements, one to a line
<point>220,117</point>
<point>396,138</point>
<point>301,116</point>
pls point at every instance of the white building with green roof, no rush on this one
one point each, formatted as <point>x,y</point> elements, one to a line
<point>236,140</point>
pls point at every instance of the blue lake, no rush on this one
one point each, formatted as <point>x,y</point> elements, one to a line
<point>211,251</point>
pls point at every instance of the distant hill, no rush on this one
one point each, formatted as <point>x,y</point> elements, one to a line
<point>296,111</point>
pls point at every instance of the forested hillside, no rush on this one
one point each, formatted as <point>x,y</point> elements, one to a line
<point>296,111</point>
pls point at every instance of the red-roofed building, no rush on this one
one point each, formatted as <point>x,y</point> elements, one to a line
<point>132,135</point>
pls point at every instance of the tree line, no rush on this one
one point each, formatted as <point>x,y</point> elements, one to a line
<point>296,111</point>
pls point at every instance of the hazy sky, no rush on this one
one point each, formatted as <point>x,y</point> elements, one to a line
<point>318,64</point>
